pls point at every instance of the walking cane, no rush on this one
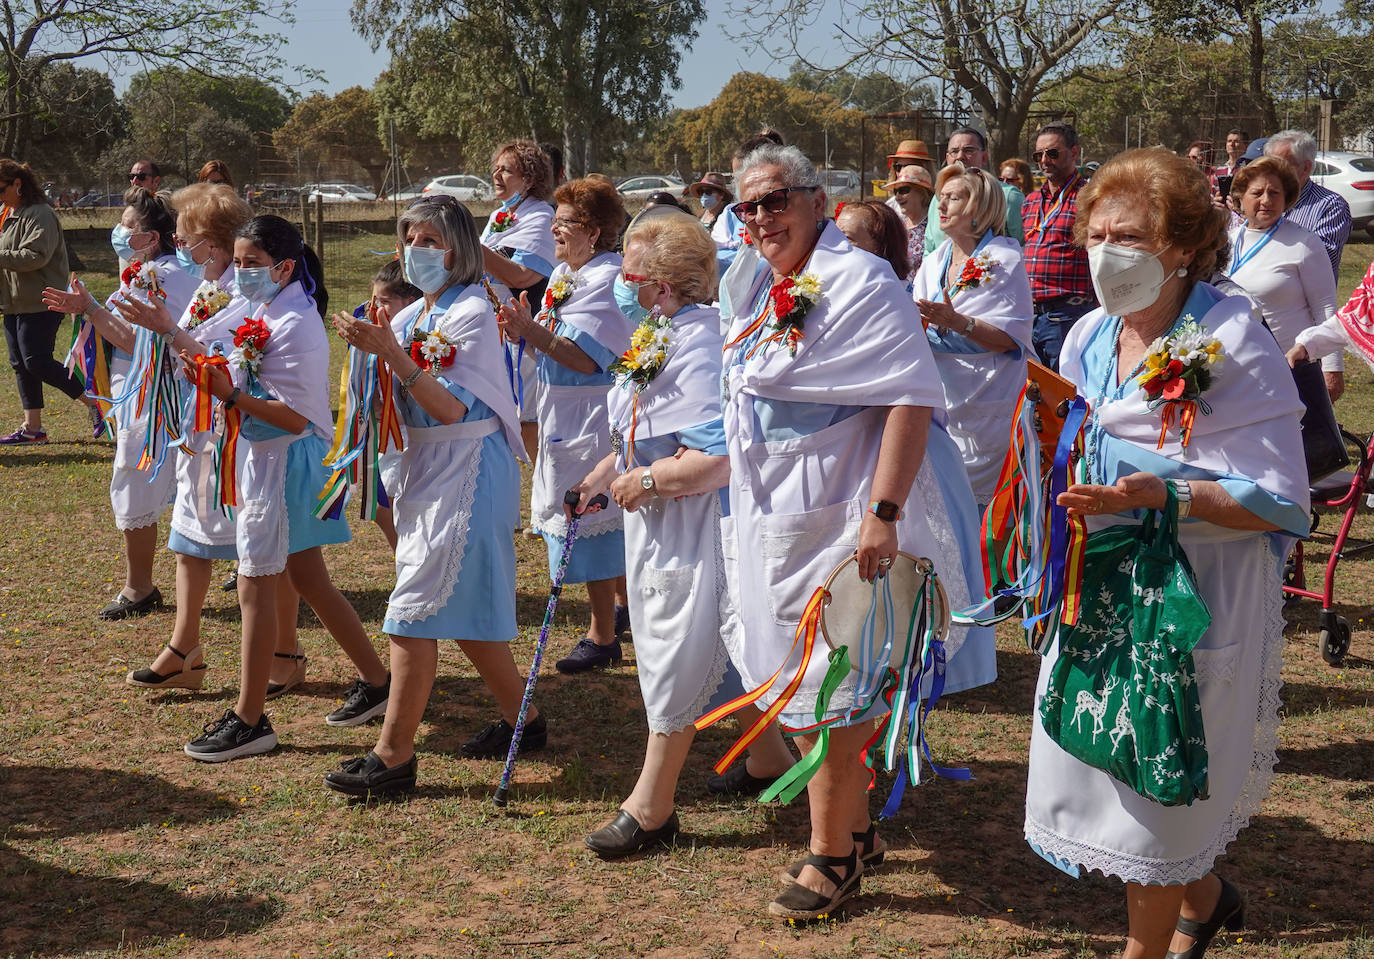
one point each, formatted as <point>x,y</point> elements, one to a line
<point>570,498</point>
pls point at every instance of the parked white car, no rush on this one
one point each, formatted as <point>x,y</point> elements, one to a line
<point>460,186</point>
<point>1352,176</point>
<point>340,193</point>
<point>842,185</point>
<point>639,187</point>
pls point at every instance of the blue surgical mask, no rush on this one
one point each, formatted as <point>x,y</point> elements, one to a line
<point>425,268</point>
<point>709,201</point>
<point>256,283</point>
<point>119,239</point>
<point>189,265</point>
<point>627,298</point>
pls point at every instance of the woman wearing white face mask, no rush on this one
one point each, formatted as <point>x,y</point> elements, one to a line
<point>578,334</point>
<point>455,495</point>
<point>138,496</point>
<point>1151,232</point>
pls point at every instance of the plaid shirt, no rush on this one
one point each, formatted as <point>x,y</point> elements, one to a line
<point>1056,267</point>
<point>1326,214</point>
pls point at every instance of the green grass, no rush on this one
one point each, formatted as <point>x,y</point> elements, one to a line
<point>111,841</point>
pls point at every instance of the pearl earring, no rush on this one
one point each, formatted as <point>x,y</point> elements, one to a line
<point>1181,271</point>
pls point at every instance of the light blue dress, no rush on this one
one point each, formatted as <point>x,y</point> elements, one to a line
<point>601,556</point>
<point>482,603</point>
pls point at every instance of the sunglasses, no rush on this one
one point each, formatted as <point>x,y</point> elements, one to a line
<point>775,201</point>
<point>139,176</point>
<point>443,199</point>
<point>1050,155</point>
<point>902,190</point>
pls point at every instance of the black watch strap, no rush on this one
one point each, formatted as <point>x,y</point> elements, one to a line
<point>232,398</point>
<point>885,510</point>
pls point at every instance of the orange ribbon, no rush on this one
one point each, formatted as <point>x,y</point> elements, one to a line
<point>1186,411</point>
<point>205,400</point>
<point>806,635</point>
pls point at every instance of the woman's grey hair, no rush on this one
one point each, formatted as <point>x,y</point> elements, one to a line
<point>455,226</point>
<point>1302,143</point>
<point>797,170</point>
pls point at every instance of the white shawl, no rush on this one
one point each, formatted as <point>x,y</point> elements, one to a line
<point>532,231</point>
<point>592,307</point>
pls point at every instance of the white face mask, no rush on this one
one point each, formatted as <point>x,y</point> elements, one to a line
<point>709,201</point>
<point>1126,280</point>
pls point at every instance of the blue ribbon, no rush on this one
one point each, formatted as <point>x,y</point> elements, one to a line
<point>1052,587</point>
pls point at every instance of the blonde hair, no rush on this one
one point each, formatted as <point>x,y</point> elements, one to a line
<point>677,251</point>
<point>986,199</point>
<point>1175,196</point>
<point>211,210</point>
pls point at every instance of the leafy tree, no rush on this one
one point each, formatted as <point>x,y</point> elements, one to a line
<point>708,135</point>
<point>215,38</point>
<point>869,92</point>
<point>585,72</point>
<point>1004,54</point>
<point>342,127</point>
<point>76,117</point>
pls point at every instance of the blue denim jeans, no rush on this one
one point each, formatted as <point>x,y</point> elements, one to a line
<point>1053,320</point>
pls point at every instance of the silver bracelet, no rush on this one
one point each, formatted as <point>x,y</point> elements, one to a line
<point>1183,492</point>
<point>410,380</point>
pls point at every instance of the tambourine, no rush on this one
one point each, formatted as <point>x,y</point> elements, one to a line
<point>850,599</point>
<point>1051,394</point>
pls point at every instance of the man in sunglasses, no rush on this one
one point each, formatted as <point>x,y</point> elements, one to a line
<point>145,173</point>
<point>1061,285</point>
<point>969,147</point>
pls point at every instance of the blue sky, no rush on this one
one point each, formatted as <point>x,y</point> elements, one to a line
<point>324,40</point>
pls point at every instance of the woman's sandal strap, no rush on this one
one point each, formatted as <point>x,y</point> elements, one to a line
<point>825,865</point>
<point>172,649</point>
<point>297,656</point>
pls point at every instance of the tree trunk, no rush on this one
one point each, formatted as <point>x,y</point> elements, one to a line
<point>1258,93</point>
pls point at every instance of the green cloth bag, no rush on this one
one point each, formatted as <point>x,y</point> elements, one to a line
<point>1122,696</point>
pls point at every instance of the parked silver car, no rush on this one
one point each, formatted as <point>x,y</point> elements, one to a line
<point>460,186</point>
<point>1352,176</point>
<point>340,193</point>
<point>639,187</point>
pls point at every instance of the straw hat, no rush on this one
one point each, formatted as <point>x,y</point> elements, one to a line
<point>713,181</point>
<point>914,176</point>
<point>911,150</point>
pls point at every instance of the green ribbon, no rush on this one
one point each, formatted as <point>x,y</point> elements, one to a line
<point>790,784</point>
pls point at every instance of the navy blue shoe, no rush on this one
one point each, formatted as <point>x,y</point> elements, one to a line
<point>587,655</point>
<point>622,621</point>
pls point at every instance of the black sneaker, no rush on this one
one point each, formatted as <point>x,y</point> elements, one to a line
<point>230,738</point>
<point>368,775</point>
<point>494,741</point>
<point>622,621</point>
<point>362,702</point>
<point>587,655</point>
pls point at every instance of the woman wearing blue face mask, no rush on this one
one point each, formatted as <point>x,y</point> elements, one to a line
<point>274,393</point>
<point>455,493</point>
<point>579,333</point>
<point>32,256</point>
<point>714,193</point>
<point>138,496</point>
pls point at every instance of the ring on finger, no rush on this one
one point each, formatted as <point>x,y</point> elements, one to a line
<point>885,561</point>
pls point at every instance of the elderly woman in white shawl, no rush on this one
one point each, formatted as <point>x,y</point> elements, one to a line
<point>669,471</point>
<point>975,302</point>
<point>833,417</point>
<point>1152,233</point>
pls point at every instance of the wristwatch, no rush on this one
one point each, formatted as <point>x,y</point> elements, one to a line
<point>646,480</point>
<point>1183,492</point>
<point>885,510</point>
<point>972,322</point>
<point>232,398</point>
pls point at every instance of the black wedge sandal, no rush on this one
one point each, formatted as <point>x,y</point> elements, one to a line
<point>297,675</point>
<point>799,902</point>
<point>866,842</point>
<point>192,677</point>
